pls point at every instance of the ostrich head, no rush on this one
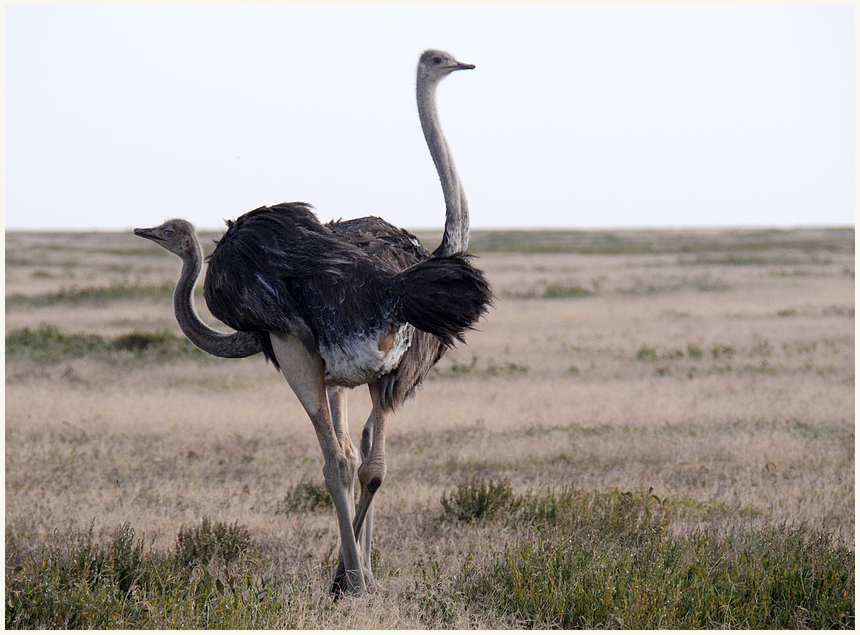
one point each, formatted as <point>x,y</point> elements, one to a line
<point>176,236</point>
<point>434,65</point>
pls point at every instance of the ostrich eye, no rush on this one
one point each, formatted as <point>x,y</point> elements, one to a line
<point>437,60</point>
<point>168,232</point>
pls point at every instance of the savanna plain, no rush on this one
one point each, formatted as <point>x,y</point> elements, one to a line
<point>649,429</point>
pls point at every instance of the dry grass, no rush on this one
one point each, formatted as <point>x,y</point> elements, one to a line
<point>720,372</point>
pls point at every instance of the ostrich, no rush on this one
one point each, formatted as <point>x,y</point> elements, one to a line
<point>337,306</point>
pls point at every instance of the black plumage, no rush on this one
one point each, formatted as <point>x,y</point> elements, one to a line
<point>278,269</point>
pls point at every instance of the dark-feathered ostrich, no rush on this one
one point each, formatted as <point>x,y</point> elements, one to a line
<point>336,306</point>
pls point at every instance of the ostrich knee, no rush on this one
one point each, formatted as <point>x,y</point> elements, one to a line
<point>371,474</point>
<point>372,471</point>
<point>339,472</point>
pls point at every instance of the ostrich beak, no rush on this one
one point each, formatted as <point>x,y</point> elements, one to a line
<point>149,234</point>
<point>460,66</point>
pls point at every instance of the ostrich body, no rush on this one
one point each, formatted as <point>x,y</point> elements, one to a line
<point>336,306</point>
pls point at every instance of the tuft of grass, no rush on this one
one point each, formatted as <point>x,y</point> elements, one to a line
<point>646,354</point>
<point>200,544</point>
<point>161,344</point>
<point>490,368</point>
<point>79,584</point>
<point>510,368</point>
<point>672,283</point>
<point>555,291</point>
<point>705,282</point>
<point>477,499</point>
<point>610,560</point>
<point>48,344</point>
<point>722,351</point>
<point>558,290</point>
<point>838,310</point>
<point>306,496</point>
<point>675,362</point>
<point>459,368</point>
<point>82,585</point>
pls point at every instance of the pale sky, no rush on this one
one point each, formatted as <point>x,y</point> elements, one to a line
<point>575,116</point>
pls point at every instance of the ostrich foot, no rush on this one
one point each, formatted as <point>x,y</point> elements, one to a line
<point>345,585</point>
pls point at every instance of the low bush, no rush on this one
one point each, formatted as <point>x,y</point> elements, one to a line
<point>610,560</point>
<point>77,583</point>
<point>477,499</point>
<point>306,496</point>
<point>200,544</point>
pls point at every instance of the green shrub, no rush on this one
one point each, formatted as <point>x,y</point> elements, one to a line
<point>557,290</point>
<point>200,544</point>
<point>306,496</point>
<point>478,499</point>
<point>509,368</point>
<point>137,342</point>
<point>160,344</point>
<point>76,583</point>
<point>645,354</point>
<point>82,585</point>
<point>722,352</point>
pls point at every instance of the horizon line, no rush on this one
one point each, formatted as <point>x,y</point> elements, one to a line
<point>440,229</point>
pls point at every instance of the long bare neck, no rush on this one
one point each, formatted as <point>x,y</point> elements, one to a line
<point>233,345</point>
<point>456,236</point>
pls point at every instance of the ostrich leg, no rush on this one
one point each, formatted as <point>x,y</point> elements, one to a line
<point>337,398</point>
<point>371,472</point>
<point>370,475</point>
<point>364,531</point>
<point>304,372</point>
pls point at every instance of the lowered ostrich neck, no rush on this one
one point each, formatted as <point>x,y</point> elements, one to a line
<point>236,344</point>
<point>456,236</point>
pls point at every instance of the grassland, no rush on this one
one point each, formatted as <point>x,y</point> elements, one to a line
<point>651,429</point>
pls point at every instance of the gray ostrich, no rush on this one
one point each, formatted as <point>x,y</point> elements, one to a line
<point>336,306</point>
